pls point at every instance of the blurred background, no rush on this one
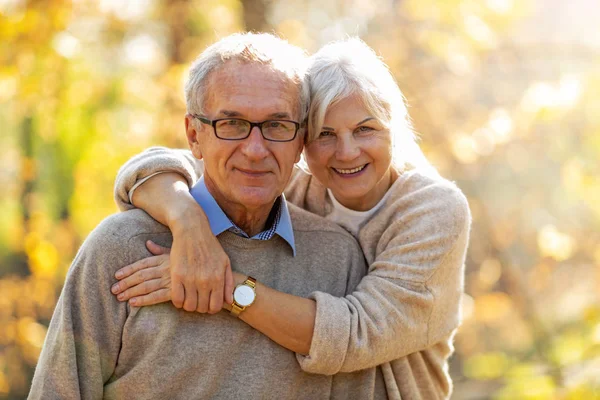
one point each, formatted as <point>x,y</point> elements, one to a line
<point>505,95</point>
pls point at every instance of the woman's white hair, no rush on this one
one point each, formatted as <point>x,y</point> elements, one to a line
<point>351,68</point>
<point>263,48</point>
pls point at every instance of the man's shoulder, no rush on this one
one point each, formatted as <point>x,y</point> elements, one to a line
<point>127,224</point>
<point>304,221</point>
<point>119,229</point>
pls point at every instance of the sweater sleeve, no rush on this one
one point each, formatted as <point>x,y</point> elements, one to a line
<point>150,162</point>
<point>83,341</point>
<point>410,298</point>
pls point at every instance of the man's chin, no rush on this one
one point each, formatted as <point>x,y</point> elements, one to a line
<point>253,197</point>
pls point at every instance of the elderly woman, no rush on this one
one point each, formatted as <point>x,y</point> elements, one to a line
<point>368,175</point>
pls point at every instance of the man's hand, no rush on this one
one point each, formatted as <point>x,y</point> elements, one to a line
<point>201,272</point>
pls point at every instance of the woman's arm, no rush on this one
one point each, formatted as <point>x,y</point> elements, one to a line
<point>154,160</point>
<point>410,299</point>
<point>288,320</point>
<point>201,275</point>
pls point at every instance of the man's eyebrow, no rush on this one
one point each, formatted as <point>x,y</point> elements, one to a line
<point>280,115</point>
<point>235,114</point>
<point>229,113</point>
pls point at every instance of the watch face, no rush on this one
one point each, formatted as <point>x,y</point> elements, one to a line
<point>244,295</point>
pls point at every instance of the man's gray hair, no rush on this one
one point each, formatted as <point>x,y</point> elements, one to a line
<point>351,68</point>
<point>263,48</point>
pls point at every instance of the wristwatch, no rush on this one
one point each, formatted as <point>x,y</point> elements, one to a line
<point>243,296</point>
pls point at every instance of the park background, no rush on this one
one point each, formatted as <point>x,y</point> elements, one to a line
<point>505,97</point>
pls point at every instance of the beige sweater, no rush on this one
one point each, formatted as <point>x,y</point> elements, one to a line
<point>98,348</point>
<point>404,313</point>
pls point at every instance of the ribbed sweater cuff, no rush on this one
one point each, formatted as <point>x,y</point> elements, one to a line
<point>327,356</point>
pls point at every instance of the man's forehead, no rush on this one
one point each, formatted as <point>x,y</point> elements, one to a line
<point>240,88</point>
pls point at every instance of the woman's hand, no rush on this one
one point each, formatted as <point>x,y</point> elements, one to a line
<point>147,281</point>
<point>201,271</point>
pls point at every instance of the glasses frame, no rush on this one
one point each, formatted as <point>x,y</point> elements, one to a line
<point>213,123</point>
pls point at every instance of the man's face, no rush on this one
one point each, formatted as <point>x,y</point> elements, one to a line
<point>250,173</point>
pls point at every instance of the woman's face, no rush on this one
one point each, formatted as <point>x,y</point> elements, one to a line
<point>352,155</point>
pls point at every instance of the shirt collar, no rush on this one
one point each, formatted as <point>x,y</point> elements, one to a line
<point>219,221</point>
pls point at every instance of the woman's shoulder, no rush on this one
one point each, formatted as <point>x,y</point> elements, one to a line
<point>420,187</point>
<point>422,199</point>
<point>422,207</point>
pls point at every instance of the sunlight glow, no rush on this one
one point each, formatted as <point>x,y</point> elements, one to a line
<point>500,6</point>
<point>555,244</point>
<point>463,148</point>
<point>126,10</point>
<point>468,306</point>
<point>501,124</point>
<point>479,30</point>
<point>541,95</point>
<point>142,50</point>
<point>66,44</point>
<point>10,7</point>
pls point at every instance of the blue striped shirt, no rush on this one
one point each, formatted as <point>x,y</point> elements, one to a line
<point>219,221</point>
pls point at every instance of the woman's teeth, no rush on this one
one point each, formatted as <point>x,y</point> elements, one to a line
<point>350,171</point>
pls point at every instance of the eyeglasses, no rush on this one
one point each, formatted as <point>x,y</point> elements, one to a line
<point>239,129</point>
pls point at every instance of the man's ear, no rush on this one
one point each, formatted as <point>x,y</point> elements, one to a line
<point>192,135</point>
<point>300,146</point>
<point>299,155</point>
<point>303,133</point>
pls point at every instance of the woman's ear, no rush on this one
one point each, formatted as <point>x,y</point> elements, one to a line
<point>192,135</point>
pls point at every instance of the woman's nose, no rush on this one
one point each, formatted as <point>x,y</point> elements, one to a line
<point>347,148</point>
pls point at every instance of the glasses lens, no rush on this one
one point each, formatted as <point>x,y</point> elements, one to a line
<point>232,128</point>
<point>278,130</point>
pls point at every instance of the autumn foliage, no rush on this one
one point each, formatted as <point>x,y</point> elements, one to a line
<point>503,93</point>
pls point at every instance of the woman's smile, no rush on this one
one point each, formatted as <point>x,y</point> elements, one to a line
<point>350,172</point>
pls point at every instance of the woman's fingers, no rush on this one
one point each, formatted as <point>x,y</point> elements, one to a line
<point>144,288</point>
<point>198,269</point>
<point>177,294</point>
<point>142,275</point>
<point>156,249</point>
<point>228,284</point>
<point>159,296</point>
<point>191,300</point>
<point>216,301</point>
<point>144,263</point>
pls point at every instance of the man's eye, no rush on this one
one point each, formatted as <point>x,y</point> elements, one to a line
<point>274,124</point>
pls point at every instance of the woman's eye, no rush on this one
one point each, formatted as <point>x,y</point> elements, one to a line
<point>365,129</point>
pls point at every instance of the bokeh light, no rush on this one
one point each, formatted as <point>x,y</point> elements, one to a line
<point>505,97</point>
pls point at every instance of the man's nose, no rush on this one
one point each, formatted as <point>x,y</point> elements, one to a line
<point>255,145</point>
<point>347,148</point>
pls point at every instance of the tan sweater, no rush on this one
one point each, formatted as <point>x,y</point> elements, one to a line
<point>404,313</point>
<point>98,348</point>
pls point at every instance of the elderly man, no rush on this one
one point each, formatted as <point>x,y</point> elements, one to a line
<point>246,126</point>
